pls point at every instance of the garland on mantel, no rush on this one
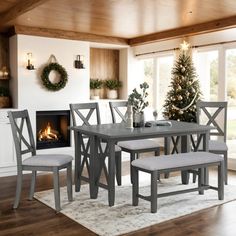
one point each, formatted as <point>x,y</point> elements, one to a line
<point>61,71</point>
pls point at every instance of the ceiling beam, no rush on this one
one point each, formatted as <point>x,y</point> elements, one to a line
<point>207,27</point>
<point>56,33</point>
<point>20,8</point>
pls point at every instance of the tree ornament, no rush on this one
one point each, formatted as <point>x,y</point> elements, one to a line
<point>181,112</point>
<point>180,97</point>
<point>183,70</point>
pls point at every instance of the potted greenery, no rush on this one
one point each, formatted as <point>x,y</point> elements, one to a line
<point>4,97</point>
<point>112,85</point>
<point>138,101</point>
<point>95,86</point>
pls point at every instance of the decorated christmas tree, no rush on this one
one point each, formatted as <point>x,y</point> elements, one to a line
<point>180,103</point>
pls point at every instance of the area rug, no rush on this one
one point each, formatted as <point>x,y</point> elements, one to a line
<point>97,216</point>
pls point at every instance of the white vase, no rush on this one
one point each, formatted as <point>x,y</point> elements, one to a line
<point>112,94</point>
<point>94,94</point>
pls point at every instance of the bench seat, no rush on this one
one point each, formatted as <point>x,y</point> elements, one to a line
<point>177,162</point>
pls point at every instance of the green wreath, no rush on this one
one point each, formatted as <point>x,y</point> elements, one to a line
<point>45,77</point>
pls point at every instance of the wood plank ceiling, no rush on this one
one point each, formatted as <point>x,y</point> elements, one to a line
<point>117,21</point>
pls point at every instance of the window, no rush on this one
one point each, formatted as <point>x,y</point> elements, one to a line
<point>230,69</point>
<point>207,63</point>
<point>157,73</point>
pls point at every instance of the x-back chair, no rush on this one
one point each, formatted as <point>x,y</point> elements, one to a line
<point>215,114</point>
<point>24,144</point>
<point>82,112</point>
<point>134,147</point>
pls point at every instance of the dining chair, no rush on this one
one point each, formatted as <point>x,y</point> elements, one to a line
<point>82,114</point>
<point>133,147</point>
<point>25,144</point>
<point>215,114</point>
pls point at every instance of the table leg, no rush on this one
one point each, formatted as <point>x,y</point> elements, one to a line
<point>167,152</point>
<point>185,147</point>
<point>77,174</point>
<point>206,138</point>
<point>93,182</point>
<point>111,171</point>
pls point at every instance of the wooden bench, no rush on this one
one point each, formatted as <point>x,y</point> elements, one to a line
<point>178,162</point>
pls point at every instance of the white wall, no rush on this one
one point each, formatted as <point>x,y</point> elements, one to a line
<point>26,86</point>
<point>31,93</point>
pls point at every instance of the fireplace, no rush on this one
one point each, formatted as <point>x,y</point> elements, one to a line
<point>52,129</point>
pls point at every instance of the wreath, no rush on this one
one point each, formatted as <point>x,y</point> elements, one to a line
<point>63,76</point>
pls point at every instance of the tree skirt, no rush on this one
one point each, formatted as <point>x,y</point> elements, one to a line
<point>97,216</point>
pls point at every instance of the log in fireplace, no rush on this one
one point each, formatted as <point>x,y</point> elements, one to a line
<point>52,129</point>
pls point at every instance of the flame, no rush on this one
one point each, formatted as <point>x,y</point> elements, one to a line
<point>47,134</point>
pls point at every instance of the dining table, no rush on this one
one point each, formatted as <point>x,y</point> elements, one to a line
<point>191,137</point>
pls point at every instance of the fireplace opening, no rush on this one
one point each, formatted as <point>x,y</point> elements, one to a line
<point>52,129</point>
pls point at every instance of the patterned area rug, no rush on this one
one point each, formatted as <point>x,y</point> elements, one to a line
<point>96,215</point>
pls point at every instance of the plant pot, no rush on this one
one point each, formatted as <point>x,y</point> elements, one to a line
<point>4,102</point>
<point>95,94</point>
<point>138,120</point>
<point>112,94</point>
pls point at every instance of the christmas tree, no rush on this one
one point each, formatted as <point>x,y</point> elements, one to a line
<point>180,103</point>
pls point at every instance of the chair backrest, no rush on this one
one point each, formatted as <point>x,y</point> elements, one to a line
<point>83,112</point>
<point>215,114</point>
<point>22,134</point>
<point>118,111</point>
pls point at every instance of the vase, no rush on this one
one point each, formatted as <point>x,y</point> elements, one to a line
<point>138,119</point>
<point>95,94</point>
<point>112,94</point>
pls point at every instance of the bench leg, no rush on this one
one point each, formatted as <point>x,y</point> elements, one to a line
<point>135,186</point>
<point>154,175</point>
<point>221,181</point>
<point>132,158</point>
<point>200,180</point>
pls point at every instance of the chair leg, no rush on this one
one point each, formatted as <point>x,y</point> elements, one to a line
<point>135,186</point>
<point>69,182</point>
<point>32,186</point>
<point>226,167</point>
<point>118,167</point>
<point>18,188</point>
<point>221,175</point>
<point>56,188</point>
<point>132,158</point>
<point>194,177</point>
<point>157,152</point>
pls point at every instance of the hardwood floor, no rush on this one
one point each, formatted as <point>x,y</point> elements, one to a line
<point>34,218</point>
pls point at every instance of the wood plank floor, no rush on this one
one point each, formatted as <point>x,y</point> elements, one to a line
<point>34,218</point>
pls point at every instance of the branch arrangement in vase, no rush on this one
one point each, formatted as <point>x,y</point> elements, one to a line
<point>138,99</point>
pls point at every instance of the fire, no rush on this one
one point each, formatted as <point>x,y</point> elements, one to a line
<point>47,134</point>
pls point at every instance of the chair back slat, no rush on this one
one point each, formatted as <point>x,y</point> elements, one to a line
<point>23,138</point>
<point>116,112</point>
<point>215,114</point>
<point>77,108</point>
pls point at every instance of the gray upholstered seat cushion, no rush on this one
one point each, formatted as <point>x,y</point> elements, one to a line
<point>176,160</point>
<point>215,145</point>
<point>48,160</point>
<point>139,144</point>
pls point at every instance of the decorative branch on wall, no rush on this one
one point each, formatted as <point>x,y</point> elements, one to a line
<point>54,66</point>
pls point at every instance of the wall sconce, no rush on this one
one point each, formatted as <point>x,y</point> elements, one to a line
<point>4,73</point>
<point>79,62</point>
<point>29,66</point>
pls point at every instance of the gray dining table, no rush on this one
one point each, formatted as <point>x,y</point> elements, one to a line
<point>113,133</point>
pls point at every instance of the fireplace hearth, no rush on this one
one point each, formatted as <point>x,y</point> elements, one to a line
<point>52,129</point>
